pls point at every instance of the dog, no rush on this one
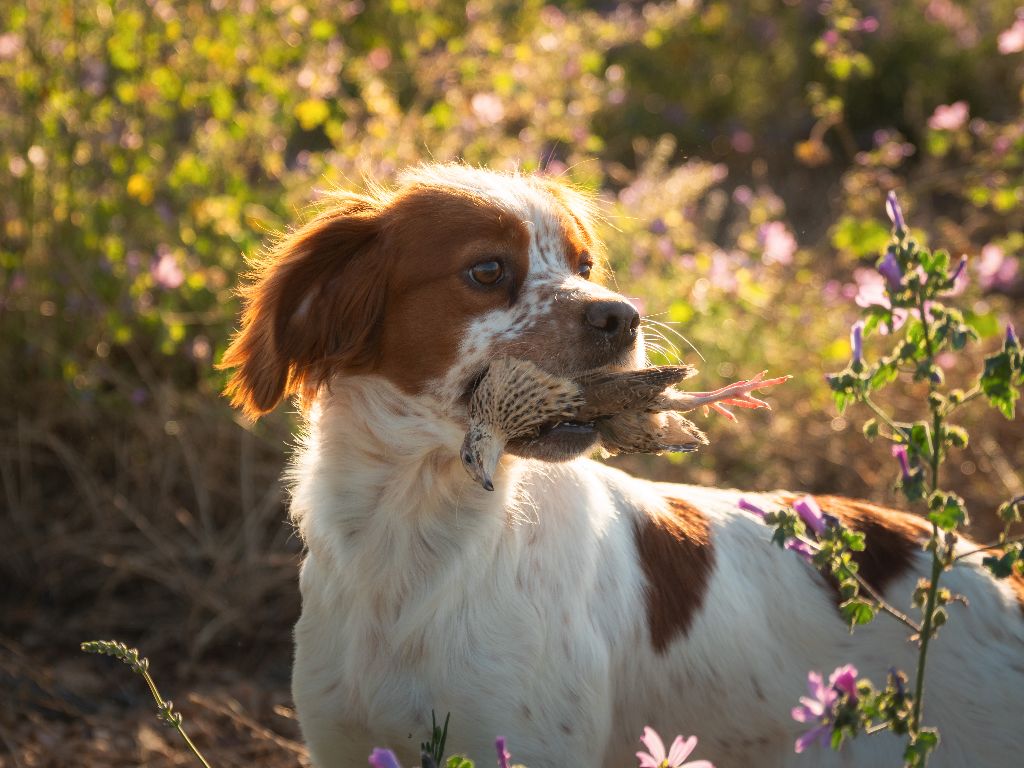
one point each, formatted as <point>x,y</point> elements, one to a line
<point>573,604</point>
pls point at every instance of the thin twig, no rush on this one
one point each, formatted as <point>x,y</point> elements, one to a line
<point>994,545</point>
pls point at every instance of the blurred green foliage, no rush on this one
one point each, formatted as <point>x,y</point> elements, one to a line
<point>741,150</point>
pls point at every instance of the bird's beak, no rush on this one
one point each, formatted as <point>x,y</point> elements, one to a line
<point>480,455</point>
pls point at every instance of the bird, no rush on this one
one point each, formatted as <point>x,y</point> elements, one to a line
<point>636,411</point>
<point>513,399</point>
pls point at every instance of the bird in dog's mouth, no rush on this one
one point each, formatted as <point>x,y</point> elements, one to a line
<point>517,407</point>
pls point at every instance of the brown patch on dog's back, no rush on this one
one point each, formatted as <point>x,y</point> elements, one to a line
<point>1016,582</point>
<point>891,537</point>
<point>677,557</point>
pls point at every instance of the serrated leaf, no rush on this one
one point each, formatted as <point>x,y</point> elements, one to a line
<point>997,383</point>
<point>857,612</point>
<point>1001,567</point>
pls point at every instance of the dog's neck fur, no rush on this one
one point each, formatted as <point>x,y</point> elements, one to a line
<point>386,465</point>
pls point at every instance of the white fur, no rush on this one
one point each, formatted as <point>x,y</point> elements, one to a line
<point>521,612</point>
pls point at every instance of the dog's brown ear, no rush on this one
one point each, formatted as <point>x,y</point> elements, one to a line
<point>311,307</point>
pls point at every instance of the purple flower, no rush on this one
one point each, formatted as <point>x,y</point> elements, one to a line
<point>1011,340</point>
<point>890,269</point>
<point>503,754</point>
<point>820,705</point>
<point>383,758</point>
<point>802,548</point>
<point>656,757</point>
<point>892,207</point>
<point>748,506</point>
<point>958,277</point>
<point>899,452</point>
<point>857,341</point>
<point>810,513</point>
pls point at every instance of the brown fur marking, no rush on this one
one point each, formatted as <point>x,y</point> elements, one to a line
<point>677,556</point>
<point>1016,581</point>
<point>891,537</point>
<point>377,284</point>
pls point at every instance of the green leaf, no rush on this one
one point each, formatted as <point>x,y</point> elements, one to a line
<point>458,761</point>
<point>916,753</point>
<point>985,325</point>
<point>885,373</point>
<point>997,383</point>
<point>1001,567</point>
<point>948,511</point>
<point>857,612</point>
<point>956,436</point>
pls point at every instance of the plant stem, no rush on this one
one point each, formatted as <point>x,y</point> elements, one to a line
<point>995,545</point>
<point>161,704</point>
<point>926,631</point>
<point>881,603</point>
<point>937,564</point>
<point>885,417</point>
<point>885,606</point>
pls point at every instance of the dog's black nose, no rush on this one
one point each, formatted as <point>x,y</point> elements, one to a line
<point>616,320</point>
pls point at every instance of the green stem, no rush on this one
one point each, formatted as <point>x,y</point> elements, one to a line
<point>995,545</point>
<point>162,705</point>
<point>937,564</point>
<point>880,602</point>
<point>885,418</point>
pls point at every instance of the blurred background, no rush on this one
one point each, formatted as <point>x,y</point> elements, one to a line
<point>741,150</point>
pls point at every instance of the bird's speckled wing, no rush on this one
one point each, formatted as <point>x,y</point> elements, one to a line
<point>613,392</point>
<point>643,432</point>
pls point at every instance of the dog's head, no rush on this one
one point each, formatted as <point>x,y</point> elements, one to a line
<point>426,283</point>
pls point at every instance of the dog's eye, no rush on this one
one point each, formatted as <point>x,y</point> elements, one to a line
<point>584,271</point>
<point>487,272</point>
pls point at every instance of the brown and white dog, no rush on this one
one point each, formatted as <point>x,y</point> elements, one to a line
<point>574,604</point>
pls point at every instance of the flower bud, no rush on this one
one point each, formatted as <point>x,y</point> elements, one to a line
<point>892,207</point>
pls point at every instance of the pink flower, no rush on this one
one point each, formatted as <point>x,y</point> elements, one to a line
<point>820,706</point>
<point>778,242</point>
<point>656,757</point>
<point>488,108</point>
<point>166,272</point>
<point>871,291</point>
<point>949,117</point>
<point>995,269</point>
<point>1012,40</point>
